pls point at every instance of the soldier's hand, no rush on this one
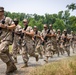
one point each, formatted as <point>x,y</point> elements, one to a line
<point>23,31</point>
<point>2,26</point>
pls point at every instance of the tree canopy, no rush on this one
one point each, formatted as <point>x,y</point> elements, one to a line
<point>59,21</point>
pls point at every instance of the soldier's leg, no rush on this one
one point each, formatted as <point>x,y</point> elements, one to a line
<point>32,50</point>
<point>55,47</point>
<point>61,48</point>
<point>25,56</point>
<point>14,49</point>
<point>47,53</point>
<point>72,45</point>
<point>6,58</point>
<point>34,54</point>
<point>67,49</point>
<point>39,50</point>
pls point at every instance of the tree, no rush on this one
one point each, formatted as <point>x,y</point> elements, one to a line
<point>59,24</point>
<point>60,14</point>
<point>72,22</point>
<point>71,6</point>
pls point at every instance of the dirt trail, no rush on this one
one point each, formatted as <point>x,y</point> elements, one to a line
<point>32,64</point>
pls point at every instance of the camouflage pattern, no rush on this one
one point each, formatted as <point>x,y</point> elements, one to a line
<point>5,39</point>
<point>43,34</point>
<point>27,46</point>
<point>38,46</point>
<point>66,43</point>
<point>71,36</point>
<point>59,43</point>
<point>54,41</point>
<point>15,46</point>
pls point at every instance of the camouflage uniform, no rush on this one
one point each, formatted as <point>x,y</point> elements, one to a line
<point>28,46</point>
<point>48,49</point>
<point>16,46</point>
<point>38,46</point>
<point>47,44</point>
<point>43,34</point>
<point>71,36</point>
<point>66,43</point>
<point>54,41</point>
<point>59,42</point>
<point>74,42</point>
<point>5,41</point>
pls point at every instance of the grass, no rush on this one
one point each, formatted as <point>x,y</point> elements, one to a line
<point>10,48</point>
<point>65,66</point>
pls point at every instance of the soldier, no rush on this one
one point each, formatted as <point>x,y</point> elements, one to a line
<point>72,40</point>
<point>59,42</point>
<point>16,46</point>
<point>53,39</point>
<point>43,35</point>
<point>37,39</point>
<point>6,28</point>
<point>48,49</point>
<point>27,43</point>
<point>66,39</point>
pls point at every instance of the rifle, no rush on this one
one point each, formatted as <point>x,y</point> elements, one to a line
<point>16,23</point>
<point>65,39</point>
<point>36,34</point>
<point>22,34</point>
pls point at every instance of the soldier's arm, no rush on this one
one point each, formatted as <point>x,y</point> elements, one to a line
<point>11,27</point>
<point>48,35</point>
<point>31,33</point>
<point>38,36</point>
<point>51,35</point>
<point>42,38</point>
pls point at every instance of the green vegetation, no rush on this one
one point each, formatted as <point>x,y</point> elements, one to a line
<point>60,21</point>
<point>65,66</point>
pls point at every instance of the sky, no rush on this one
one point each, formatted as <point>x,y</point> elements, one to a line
<point>39,7</point>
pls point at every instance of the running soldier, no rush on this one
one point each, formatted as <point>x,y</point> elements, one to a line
<point>6,28</point>
<point>66,39</point>
<point>16,47</point>
<point>28,47</point>
<point>60,42</point>
<point>37,40</point>
<point>53,39</point>
<point>43,35</point>
<point>72,40</point>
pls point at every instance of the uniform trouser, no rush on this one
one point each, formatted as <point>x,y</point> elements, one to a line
<point>15,50</point>
<point>48,50</point>
<point>4,52</point>
<point>28,50</point>
<point>25,54</point>
<point>39,49</point>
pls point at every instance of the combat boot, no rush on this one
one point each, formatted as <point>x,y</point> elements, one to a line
<point>15,60</point>
<point>25,65</point>
<point>46,60</point>
<point>10,67</point>
<point>37,57</point>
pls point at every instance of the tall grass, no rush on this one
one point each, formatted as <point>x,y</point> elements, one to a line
<point>65,66</point>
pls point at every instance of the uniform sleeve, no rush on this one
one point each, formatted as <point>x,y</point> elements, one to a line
<point>8,21</point>
<point>39,33</point>
<point>30,29</point>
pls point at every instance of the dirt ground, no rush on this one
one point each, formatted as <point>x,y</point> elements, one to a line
<point>32,64</point>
